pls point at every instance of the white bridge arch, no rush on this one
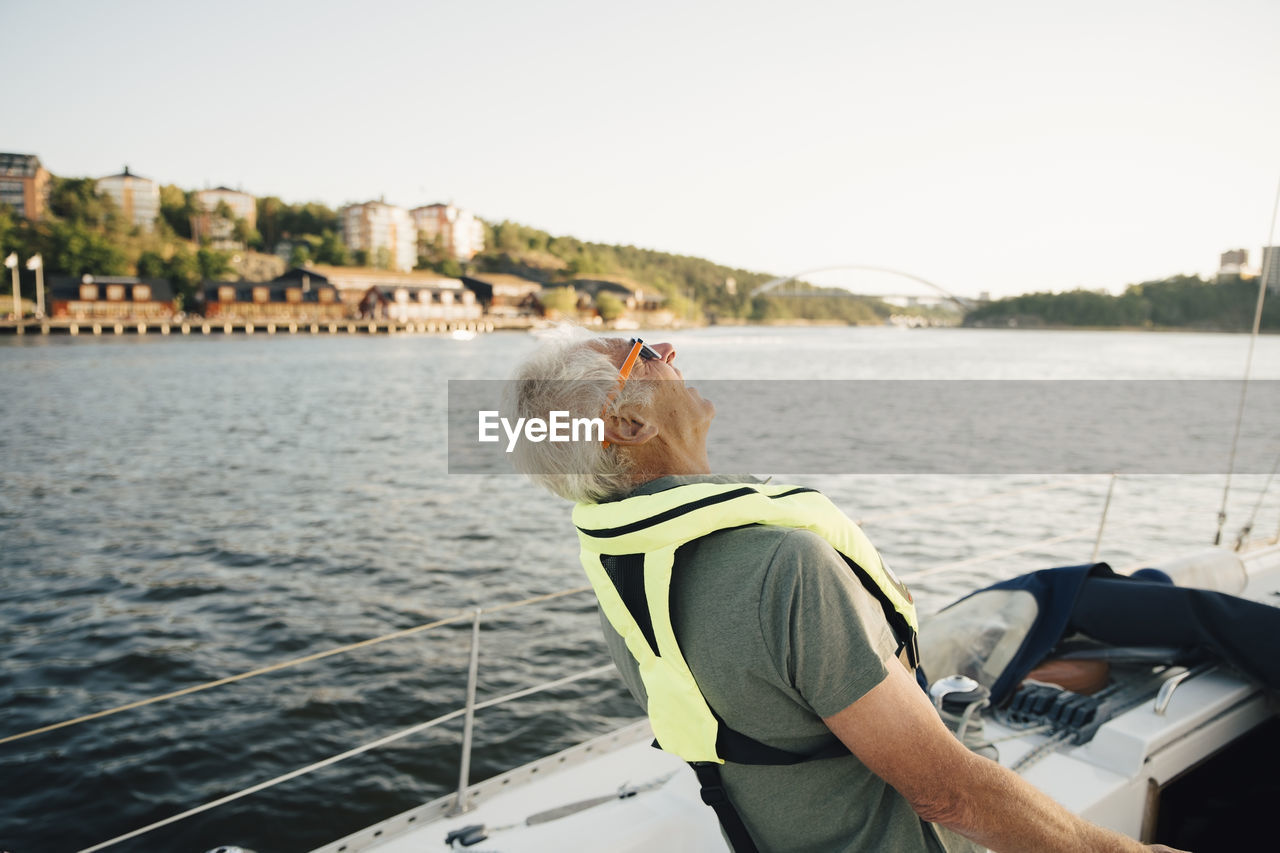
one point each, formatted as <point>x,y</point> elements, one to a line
<point>776,283</point>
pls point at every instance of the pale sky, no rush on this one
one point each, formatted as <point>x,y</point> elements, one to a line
<point>1001,146</point>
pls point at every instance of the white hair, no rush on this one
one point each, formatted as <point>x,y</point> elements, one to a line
<point>571,375</point>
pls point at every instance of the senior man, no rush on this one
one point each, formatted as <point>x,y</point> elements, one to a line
<point>769,643</point>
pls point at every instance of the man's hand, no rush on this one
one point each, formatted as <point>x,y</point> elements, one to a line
<point>898,735</point>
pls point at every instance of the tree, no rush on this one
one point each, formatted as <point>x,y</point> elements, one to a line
<point>183,271</point>
<point>331,249</point>
<point>78,202</point>
<point>270,209</point>
<point>76,250</point>
<point>382,258</point>
<point>9,240</point>
<point>561,299</point>
<point>245,234</point>
<point>299,255</point>
<point>610,306</point>
<point>151,265</point>
<point>177,206</point>
<point>213,263</point>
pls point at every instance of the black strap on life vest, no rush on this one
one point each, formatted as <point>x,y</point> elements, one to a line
<point>713,794</point>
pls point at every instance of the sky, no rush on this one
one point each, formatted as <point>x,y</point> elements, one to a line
<point>982,146</point>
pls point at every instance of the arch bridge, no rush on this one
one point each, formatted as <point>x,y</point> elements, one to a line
<point>777,286</point>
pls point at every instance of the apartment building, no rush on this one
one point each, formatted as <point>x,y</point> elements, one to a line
<point>461,234</point>
<point>24,184</point>
<point>384,231</point>
<point>1271,267</point>
<point>137,197</point>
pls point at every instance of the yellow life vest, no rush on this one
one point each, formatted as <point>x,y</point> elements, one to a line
<point>651,528</point>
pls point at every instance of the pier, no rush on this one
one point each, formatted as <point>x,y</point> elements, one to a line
<point>220,326</point>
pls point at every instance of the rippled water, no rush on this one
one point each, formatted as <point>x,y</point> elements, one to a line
<point>179,510</point>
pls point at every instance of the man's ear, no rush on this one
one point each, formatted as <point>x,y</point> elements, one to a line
<point>628,429</point>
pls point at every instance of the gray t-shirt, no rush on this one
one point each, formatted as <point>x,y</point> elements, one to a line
<point>779,633</point>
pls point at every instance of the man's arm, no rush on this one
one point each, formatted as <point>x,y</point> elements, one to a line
<point>898,735</point>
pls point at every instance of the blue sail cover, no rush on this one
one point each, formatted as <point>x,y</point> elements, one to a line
<point>999,634</point>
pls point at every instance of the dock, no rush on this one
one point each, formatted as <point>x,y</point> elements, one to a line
<point>221,326</point>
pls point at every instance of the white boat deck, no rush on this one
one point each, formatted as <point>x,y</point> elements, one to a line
<point>669,817</point>
<point>1109,780</point>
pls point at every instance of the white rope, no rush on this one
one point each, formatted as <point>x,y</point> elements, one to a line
<point>334,759</point>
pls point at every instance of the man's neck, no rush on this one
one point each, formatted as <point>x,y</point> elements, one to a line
<point>650,464</point>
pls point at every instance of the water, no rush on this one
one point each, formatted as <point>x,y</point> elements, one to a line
<point>179,510</point>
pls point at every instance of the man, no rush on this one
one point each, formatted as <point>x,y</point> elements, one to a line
<point>768,642</point>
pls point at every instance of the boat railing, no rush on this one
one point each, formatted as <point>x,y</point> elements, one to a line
<point>466,712</point>
<point>471,706</point>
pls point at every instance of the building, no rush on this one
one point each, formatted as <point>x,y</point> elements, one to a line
<point>111,298</point>
<point>461,235</point>
<point>405,303</point>
<point>24,185</point>
<point>506,295</point>
<point>384,231</point>
<point>353,283</point>
<point>137,197</point>
<point>1233,263</point>
<point>634,297</point>
<point>1271,267</point>
<point>300,295</point>
<point>218,231</point>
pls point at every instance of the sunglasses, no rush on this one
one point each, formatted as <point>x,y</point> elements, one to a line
<point>639,349</point>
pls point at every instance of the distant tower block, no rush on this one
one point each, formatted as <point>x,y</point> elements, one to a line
<point>1271,267</point>
<point>1233,263</point>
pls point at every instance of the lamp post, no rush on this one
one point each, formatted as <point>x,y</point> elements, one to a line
<point>35,262</point>
<point>12,263</point>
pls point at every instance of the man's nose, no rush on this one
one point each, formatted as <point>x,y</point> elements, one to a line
<point>667,351</point>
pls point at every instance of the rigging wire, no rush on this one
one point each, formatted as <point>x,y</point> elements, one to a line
<point>1267,260</point>
<point>1248,525</point>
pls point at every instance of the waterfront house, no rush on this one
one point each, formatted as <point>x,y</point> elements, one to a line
<point>459,232</point>
<point>633,296</point>
<point>411,303</point>
<point>123,298</point>
<point>24,185</point>
<point>353,283</point>
<point>137,197</point>
<point>300,295</point>
<point>383,231</point>
<point>503,295</point>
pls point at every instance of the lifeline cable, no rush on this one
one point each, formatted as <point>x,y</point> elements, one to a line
<point>359,750</point>
<point>275,667</point>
